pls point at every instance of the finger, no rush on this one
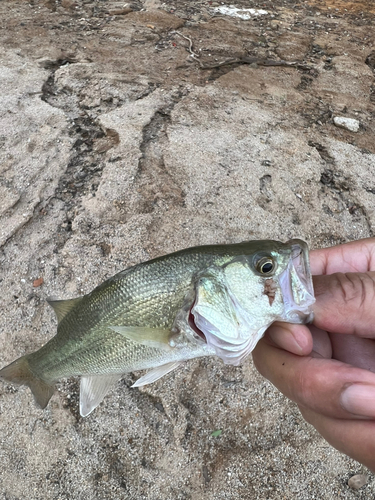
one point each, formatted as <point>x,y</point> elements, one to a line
<point>356,256</point>
<point>345,303</point>
<point>299,339</point>
<point>353,437</point>
<point>325,386</point>
<point>322,347</point>
<point>353,350</point>
<point>293,338</point>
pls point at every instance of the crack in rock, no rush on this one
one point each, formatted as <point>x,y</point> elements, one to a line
<point>323,152</point>
<point>91,141</point>
<point>153,180</point>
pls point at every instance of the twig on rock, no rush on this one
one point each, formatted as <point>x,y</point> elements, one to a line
<point>242,60</point>
<point>193,54</point>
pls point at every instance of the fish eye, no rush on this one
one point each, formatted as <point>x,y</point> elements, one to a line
<point>265,265</point>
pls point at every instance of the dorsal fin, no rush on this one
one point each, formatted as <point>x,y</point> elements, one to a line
<point>62,307</point>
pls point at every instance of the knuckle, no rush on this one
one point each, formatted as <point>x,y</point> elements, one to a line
<point>354,289</point>
<point>311,388</point>
<point>347,286</point>
<point>303,388</point>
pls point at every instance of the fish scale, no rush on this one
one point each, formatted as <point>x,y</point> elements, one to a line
<point>136,297</point>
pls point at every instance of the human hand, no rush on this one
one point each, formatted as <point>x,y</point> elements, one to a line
<point>328,368</point>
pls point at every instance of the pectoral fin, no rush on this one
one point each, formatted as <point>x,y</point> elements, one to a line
<point>150,337</point>
<point>156,373</point>
<point>93,389</point>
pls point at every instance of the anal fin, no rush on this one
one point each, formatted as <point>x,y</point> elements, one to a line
<point>156,373</point>
<point>93,389</point>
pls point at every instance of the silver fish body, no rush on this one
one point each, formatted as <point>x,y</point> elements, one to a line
<point>211,300</point>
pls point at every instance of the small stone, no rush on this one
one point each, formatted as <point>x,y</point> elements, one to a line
<point>356,482</point>
<point>348,123</point>
<point>120,12</point>
<point>38,282</point>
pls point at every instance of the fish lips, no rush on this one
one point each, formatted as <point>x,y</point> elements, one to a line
<point>296,285</point>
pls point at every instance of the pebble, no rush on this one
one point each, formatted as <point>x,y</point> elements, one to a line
<point>356,482</point>
<point>348,123</point>
<point>120,12</point>
<point>38,282</point>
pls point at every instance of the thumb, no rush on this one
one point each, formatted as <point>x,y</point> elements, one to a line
<point>345,303</point>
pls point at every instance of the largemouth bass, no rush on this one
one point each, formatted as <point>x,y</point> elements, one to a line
<point>204,301</point>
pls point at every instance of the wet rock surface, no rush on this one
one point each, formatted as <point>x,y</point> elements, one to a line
<point>118,146</point>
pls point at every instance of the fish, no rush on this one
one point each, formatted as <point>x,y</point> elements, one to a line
<point>214,300</point>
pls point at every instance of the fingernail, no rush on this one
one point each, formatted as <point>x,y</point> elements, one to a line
<point>359,399</point>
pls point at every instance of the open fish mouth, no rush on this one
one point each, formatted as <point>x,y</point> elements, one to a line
<point>296,285</point>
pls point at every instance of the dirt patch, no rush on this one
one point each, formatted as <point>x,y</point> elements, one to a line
<point>344,7</point>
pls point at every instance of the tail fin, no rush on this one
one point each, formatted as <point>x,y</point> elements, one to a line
<point>19,372</point>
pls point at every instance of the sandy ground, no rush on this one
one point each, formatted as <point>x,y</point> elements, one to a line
<point>118,146</point>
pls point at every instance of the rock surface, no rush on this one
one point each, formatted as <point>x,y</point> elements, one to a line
<point>117,147</point>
